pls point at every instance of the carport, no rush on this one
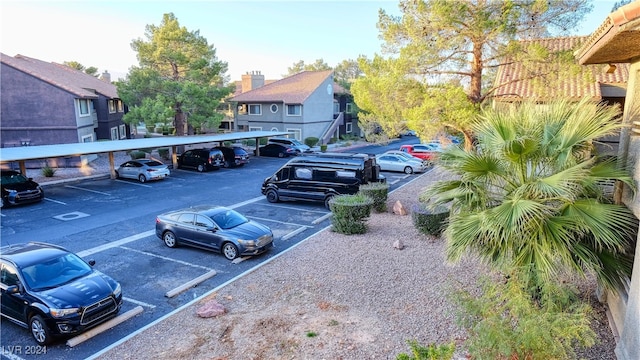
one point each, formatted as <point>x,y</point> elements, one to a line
<point>23,153</point>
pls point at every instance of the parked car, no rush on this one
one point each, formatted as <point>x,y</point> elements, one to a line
<point>408,133</point>
<point>143,170</point>
<point>18,189</point>
<point>321,176</point>
<point>53,292</point>
<point>423,151</point>
<point>296,144</point>
<point>392,162</point>
<point>278,150</point>
<point>234,156</point>
<point>405,155</point>
<point>214,228</point>
<point>201,159</point>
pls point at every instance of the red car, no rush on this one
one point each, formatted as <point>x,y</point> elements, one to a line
<point>422,151</point>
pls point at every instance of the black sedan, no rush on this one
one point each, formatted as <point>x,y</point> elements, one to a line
<point>18,189</point>
<point>214,228</point>
<point>53,292</point>
<point>278,150</point>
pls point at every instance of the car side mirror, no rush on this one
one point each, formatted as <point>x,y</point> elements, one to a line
<point>14,289</point>
<point>91,262</point>
<point>274,178</point>
<point>212,228</point>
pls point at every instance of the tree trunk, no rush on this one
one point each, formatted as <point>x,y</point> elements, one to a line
<point>179,121</point>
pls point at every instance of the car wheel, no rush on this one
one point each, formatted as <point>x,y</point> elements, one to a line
<point>408,170</point>
<point>169,239</point>
<point>117,175</point>
<point>272,196</point>
<point>142,178</point>
<point>39,330</point>
<point>230,251</point>
<point>327,200</point>
<point>200,168</point>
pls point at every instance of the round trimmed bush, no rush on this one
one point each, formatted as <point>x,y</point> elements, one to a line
<point>349,213</point>
<point>378,192</point>
<point>429,221</point>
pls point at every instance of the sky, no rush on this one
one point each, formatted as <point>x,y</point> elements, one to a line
<point>260,35</point>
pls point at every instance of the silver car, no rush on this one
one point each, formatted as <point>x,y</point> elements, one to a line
<point>392,162</point>
<point>143,170</point>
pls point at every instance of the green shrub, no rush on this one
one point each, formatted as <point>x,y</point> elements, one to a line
<point>164,153</point>
<point>48,171</point>
<point>506,322</point>
<point>311,141</point>
<point>379,192</point>
<point>333,140</point>
<point>428,221</point>
<point>137,154</point>
<point>147,150</point>
<point>429,352</point>
<point>323,147</point>
<point>227,143</point>
<point>349,213</point>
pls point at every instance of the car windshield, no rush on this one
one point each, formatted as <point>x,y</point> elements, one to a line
<point>13,179</point>
<point>229,219</point>
<point>55,272</point>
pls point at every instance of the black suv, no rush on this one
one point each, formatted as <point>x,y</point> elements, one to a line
<point>53,292</point>
<point>234,156</point>
<point>17,189</point>
<point>201,159</point>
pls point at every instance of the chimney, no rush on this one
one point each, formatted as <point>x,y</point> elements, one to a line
<point>252,80</point>
<point>106,77</point>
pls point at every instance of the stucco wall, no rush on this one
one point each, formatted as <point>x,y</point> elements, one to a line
<point>628,347</point>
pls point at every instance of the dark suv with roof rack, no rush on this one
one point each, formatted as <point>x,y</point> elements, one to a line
<point>18,189</point>
<point>53,292</point>
<point>201,159</point>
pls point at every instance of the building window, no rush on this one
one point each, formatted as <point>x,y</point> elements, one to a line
<point>87,138</point>
<point>336,107</point>
<point>114,133</point>
<point>120,106</point>
<point>274,129</point>
<point>83,105</point>
<point>274,108</point>
<point>255,128</point>
<point>348,127</point>
<point>294,110</point>
<point>123,131</point>
<point>112,106</point>
<point>255,109</point>
<point>297,133</point>
<point>349,108</point>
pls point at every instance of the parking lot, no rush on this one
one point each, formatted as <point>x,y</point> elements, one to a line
<point>112,222</point>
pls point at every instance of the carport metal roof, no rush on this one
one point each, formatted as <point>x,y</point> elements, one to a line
<point>24,153</point>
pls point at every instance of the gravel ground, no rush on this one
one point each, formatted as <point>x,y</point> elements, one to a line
<point>358,296</point>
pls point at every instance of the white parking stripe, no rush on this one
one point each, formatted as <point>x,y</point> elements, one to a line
<point>134,183</point>
<point>276,221</point>
<point>56,201</point>
<point>89,190</point>
<point>250,201</point>
<point>137,302</point>
<point>165,258</point>
<point>116,243</point>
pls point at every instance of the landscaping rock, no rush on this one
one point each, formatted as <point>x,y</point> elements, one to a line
<point>399,209</point>
<point>211,309</point>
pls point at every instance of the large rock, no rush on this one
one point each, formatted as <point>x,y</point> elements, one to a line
<point>398,244</point>
<point>211,309</point>
<point>399,209</point>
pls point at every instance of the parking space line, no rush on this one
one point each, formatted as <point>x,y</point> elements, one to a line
<point>165,258</point>
<point>138,302</point>
<point>133,183</point>
<point>55,201</point>
<point>297,209</point>
<point>89,190</point>
<point>113,244</point>
<point>250,201</point>
<point>279,222</point>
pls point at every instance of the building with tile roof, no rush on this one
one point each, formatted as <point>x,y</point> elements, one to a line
<point>307,104</point>
<point>44,103</point>
<point>617,40</point>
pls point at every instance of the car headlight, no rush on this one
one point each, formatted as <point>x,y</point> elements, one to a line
<point>247,242</point>
<point>58,313</point>
<point>117,291</point>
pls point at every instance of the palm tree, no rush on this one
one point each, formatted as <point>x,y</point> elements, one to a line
<point>529,196</point>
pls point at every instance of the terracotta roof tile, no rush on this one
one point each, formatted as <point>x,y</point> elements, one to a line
<point>71,80</point>
<point>291,90</point>
<point>518,83</point>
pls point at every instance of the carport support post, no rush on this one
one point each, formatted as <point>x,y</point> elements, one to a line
<point>257,146</point>
<point>174,156</point>
<point>112,169</point>
<point>23,167</point>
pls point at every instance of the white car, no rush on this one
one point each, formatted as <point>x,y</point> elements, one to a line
<point>143,170</point>
<point>393,162</point>
<point>404,154</point>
